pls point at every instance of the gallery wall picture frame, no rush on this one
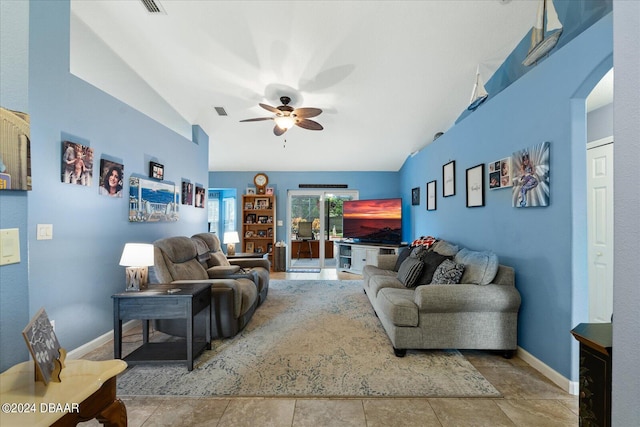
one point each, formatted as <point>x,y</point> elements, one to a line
<point>77,164</point>
<point>431,195</point>
<point>200,197</point>
<point>187,193</point>
<point>152,200</point>
<point>415,196</point>
<point>111,178</point>
<point>500,174</point>
<point>449,179</point>
<point>531,181</point>
<point>15,150</point>
<point>156,170</point>
<point>475,186</point>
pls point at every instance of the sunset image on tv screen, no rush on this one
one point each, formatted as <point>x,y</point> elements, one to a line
<point>377,220</point>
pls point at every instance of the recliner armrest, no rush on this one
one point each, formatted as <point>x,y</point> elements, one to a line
<point>251,262</point>
<point>222,271</point>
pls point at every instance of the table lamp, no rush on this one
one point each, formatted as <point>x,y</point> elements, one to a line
<point>137,257</point>
<point>230,239</point>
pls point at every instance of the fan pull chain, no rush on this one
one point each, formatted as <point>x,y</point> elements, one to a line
<point>284,144</point>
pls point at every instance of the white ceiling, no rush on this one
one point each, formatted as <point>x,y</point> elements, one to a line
<point>388,74</point>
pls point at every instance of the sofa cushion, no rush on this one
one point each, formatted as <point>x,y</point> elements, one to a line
<point>479,267</point>
<point>398,306</point>
<point>431,261</point>
<point>448,273</point>
<point>218,258</point>
<point>404,254</point>
<point>445,248</point>
<point>410,271</point>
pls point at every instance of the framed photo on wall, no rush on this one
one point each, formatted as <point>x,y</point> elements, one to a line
<point>431,195</point>
<point>156,170</point>
<point>449,179</point>
<point>415,196</point>
<point>475,186</point>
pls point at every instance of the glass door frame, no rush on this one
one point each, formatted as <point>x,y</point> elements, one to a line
<point>322,234</point>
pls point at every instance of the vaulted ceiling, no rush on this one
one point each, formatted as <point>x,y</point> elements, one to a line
<point>388,75</point>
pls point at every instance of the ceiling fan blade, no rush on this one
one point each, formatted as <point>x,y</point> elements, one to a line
<point>305,113</point>
<point>309,124</point>
<point>259,119</point>
<point>277,130</point>
<point>269,108</point>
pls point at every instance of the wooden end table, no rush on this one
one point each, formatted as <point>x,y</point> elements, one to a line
<point>177,301</point>
<point>87,390</point>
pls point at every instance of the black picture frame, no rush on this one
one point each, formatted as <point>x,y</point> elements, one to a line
<point>475,186</point>
<point>431,195</point>
<point>415,196</point>
<point>449,179</point>
<point>156,170</point>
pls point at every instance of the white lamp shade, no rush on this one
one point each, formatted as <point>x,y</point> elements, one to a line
<point>284,122</point>
<point>231,237</point>
<point>137,255</point>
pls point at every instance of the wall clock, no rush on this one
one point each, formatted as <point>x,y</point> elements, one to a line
<point>260,180</point>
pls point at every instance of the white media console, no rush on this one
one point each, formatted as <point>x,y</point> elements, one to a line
<point>352,256</point>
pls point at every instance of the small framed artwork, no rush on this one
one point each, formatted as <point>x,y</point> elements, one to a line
<point>531,170</point>
<point>249,247</point>
<point>261,203</point>
<point>248,206</point>
<point>200,197</point>
<point>262,233</point>
<point>111,178</point>
<point>44,347</point>
<point>187,193</point>
<point>500,174</point>
<point>77,164</point>
<point>431,195</point>
<point>262,219</point>
<point>415,196</point>
<point>250,219</point>
<point>269,191</point>
<point>449,179</point>
<point>475,186</point>
<point>251,191</point>
<point>156,170</point>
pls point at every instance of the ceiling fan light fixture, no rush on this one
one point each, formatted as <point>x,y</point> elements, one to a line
<point>284,122</point>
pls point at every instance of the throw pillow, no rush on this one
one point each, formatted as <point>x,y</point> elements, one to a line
<point>404,254</point>
<point>425,241</point>
<point>418,252</point>
<point>479,267</point>
<point>431,261</point>
<point>448,273</point>
<point>445,248</point>
<point>409,271</point>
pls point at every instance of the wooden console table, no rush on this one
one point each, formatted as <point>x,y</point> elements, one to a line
<point>87,390</point>
<point>178,301</point>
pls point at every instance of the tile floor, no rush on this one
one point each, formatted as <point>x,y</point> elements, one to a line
<point>529,400</point>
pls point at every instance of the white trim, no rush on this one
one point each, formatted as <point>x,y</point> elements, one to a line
<point>599,142</point>
<point>79,352</point>
<point>570,387</point>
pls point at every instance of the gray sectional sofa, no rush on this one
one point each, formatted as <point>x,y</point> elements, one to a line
<point>480,312</point>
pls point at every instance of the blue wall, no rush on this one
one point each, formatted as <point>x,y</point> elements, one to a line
<point>371,185</point>
<point>546,246</point>
<point>14,95</point>
<point>74,275</point>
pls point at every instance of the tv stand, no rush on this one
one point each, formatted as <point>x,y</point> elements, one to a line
<point>353,256</point>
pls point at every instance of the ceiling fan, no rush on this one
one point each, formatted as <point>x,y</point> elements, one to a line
<point>286,117</point>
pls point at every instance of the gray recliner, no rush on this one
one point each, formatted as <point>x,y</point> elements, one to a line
<point>233,300</point>
<point>257,268</point>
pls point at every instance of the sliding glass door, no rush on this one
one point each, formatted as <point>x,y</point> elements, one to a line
<point>314,219</point>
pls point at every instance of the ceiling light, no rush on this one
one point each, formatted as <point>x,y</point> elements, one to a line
<point>284,122</point>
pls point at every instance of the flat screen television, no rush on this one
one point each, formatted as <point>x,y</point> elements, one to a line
<point>373,221</point>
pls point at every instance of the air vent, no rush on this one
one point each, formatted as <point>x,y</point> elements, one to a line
<point>153,7</point>
<point>221,111</point>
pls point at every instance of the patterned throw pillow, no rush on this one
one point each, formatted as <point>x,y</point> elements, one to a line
<point>425,241</point>
<point>404,254</point>
<point>410,271</point>
<point>448,273</point>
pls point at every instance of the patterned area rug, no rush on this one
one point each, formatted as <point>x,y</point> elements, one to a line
<point>312,338</point>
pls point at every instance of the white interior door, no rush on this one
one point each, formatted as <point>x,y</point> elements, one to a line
<point>600,229</point>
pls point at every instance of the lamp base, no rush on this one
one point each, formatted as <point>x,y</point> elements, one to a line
<point>231,248</point>
<point>137,278</point>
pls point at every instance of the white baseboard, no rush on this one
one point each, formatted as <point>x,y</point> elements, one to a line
<point>570,387</point>
<point>79,352</point>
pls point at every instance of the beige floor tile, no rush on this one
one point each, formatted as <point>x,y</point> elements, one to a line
<point>573,403</point>
<point>522,382</point>
<point>258,412</point>
<point>538,413</point>
<point>329,413</point>
<point>400,413</point>
<point>469,413</point>
<point>187,412</point>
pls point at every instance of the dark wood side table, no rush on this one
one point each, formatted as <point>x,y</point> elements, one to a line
<point>164,302</point>
<point>595,373</point>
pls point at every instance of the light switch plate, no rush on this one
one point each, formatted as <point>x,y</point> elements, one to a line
<point>44,232</point>
<point>9,246</point>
